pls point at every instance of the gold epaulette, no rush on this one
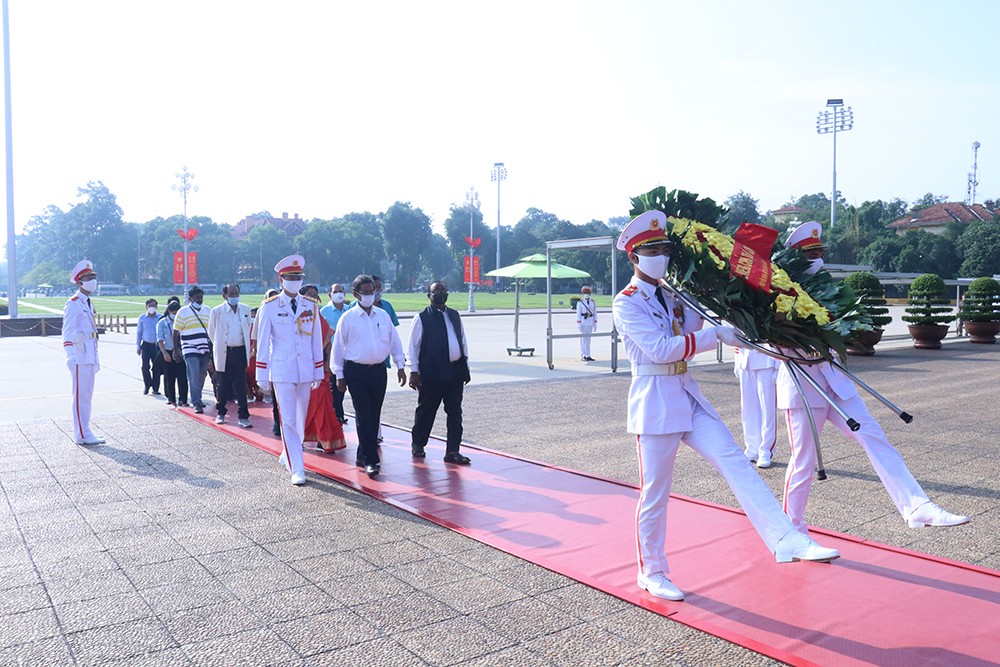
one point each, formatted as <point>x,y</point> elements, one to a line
<point>309,298</point>
<point>271,298</point>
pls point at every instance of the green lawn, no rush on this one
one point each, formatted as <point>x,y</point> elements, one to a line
<point>402,302</point>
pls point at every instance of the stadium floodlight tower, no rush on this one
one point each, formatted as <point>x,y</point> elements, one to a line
<point>837,119</point>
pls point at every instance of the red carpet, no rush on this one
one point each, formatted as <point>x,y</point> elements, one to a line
<point>876,605</point>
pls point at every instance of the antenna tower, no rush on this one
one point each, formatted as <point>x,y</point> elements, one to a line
<point>970,190</point>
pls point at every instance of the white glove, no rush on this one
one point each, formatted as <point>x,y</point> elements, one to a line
<point>315,384</point>
<point>728,334</point>
<point>71,363</point>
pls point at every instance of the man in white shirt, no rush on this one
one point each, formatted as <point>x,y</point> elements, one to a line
<point>439,370</point>
<point>365,337</point>
<point>80,344</point>
<point>290,358</point>
<point>586,322</point>
<point>229,331</point>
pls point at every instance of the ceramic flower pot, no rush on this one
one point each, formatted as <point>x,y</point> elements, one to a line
<point>927,336</point>
<point>862,343</point>
<point>982,332</point>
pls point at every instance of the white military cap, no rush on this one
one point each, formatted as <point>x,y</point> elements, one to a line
<point>644,229</point>
<point>83,267</point>
<point>290,264</point>
<point>807,236</point>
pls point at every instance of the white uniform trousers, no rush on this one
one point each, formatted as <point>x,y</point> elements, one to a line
<point>713,441</point>
<point>82,382</point>
<point>904,490</point>
<point>586,327</point>
<point>758,402</point>
<point>293,405</point>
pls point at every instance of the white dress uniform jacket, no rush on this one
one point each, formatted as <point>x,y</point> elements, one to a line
<point>289,345</point>
<point>217,331</point>
<point>659,403</point>
<point>752,360</point>
<point>80,331</point>
<point>824,374</point>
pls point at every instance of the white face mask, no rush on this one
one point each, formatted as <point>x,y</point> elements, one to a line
<point>378,295</point>
<point>337,297</point>
<point>89,285</point>
<point>586,297</point>
<point>815,265</point>
<point>654,267</point>
<point>151,310</point>
<point>292,286</point>
<point>367,300</point>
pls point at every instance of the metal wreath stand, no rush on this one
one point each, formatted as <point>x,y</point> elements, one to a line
<point>794,366</point>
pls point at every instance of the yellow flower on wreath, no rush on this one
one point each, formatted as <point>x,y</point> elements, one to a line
<point>694,234</point>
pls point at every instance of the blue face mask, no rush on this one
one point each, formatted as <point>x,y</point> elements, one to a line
<point>233,300</point>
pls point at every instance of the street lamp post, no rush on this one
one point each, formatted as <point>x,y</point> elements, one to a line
<point>472,201</point>
<point>498,174</point>
<point>185,177</point>
<point>839,119</point>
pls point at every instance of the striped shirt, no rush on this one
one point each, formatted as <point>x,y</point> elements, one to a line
<point>193,329</point>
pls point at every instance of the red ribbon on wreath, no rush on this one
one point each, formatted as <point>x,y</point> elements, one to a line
<point>751,258</point>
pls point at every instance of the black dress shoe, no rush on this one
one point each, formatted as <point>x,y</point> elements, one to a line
<point>276,430</point>
<point>359,463</point>
<point>145,391</point>
<point>418,452</point>
<point>156,392</point>
<point>372,469</point>
<point>456,458</point>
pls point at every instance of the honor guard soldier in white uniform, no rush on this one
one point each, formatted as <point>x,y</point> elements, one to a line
<point>906,493</point>
<point>586,322</point>
<point>757,373</point>
<point>80,344</point>
<point>665,406</point>
<point>290,358</point>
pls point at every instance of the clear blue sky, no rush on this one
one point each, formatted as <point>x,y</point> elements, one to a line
<point>325,108</point>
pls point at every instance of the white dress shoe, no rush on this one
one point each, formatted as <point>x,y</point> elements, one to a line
<point>930,514</point>
<point>796,546</point>
<point>298,478</point>
<point>92,440</point>
<point>244,423</point>
<point>657,584</point>
<point>764,463</point>
<point>750,456</point>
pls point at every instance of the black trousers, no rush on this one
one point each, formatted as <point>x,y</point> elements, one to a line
<point>367,385</point>
<point>338,399</point>
<point>232,382</point>
<point>175,380</point>
<point>150,366</point>
<point>429,399</point>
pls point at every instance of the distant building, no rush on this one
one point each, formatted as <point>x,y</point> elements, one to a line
<point>291,226</point>
<point>788,214</point>
<point>935,219</point>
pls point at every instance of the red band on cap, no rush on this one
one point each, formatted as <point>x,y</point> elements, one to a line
<point>645,237</point>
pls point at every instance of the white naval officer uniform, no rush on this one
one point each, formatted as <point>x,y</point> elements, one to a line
<point>906,493</point>
<point>666,406</point>
<point>290,357</point>
<point>79,332</point>
<point>757,373</point>
<point>586,322</point>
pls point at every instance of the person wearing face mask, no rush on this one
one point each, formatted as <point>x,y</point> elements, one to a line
<point>79,332</point>
<point>387,307</point>
<point>290,358</point>
<point>906,493</point>
<point>586,322</point>
<point>666,407</point>
<point>331,313</point>
<point>192,339</point>
<point>145,347</point>
<point>365,337</point>
<point>438,357</point>
<point>175,385</point>
<point>229,331</point>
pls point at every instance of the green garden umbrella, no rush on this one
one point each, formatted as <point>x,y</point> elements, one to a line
<point>533,266</point>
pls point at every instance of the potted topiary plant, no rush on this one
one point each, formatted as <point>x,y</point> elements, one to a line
<point>872,295</point>
<point>928,312</point>
<point>980,310</point>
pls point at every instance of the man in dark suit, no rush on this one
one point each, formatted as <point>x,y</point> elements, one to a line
<point>439,370</point>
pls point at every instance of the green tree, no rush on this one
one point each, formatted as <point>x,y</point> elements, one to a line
<point>979,247</point>
<point>406,231</point>
<point>881,252</point>
<point>263,247</point>
<point>741,208</point>
<point>437,262</point>
<point>339,250</point>
<point>456,228</point>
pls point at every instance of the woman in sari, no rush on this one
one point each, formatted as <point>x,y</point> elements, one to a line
<point>322,425</point>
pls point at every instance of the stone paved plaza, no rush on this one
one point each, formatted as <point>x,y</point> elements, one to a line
<point>174,544</point>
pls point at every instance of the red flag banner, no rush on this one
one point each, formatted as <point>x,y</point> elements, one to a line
<point>751,258</point>
<point>178,268</point>
<point>474,275</point>
<point>192,267</point>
